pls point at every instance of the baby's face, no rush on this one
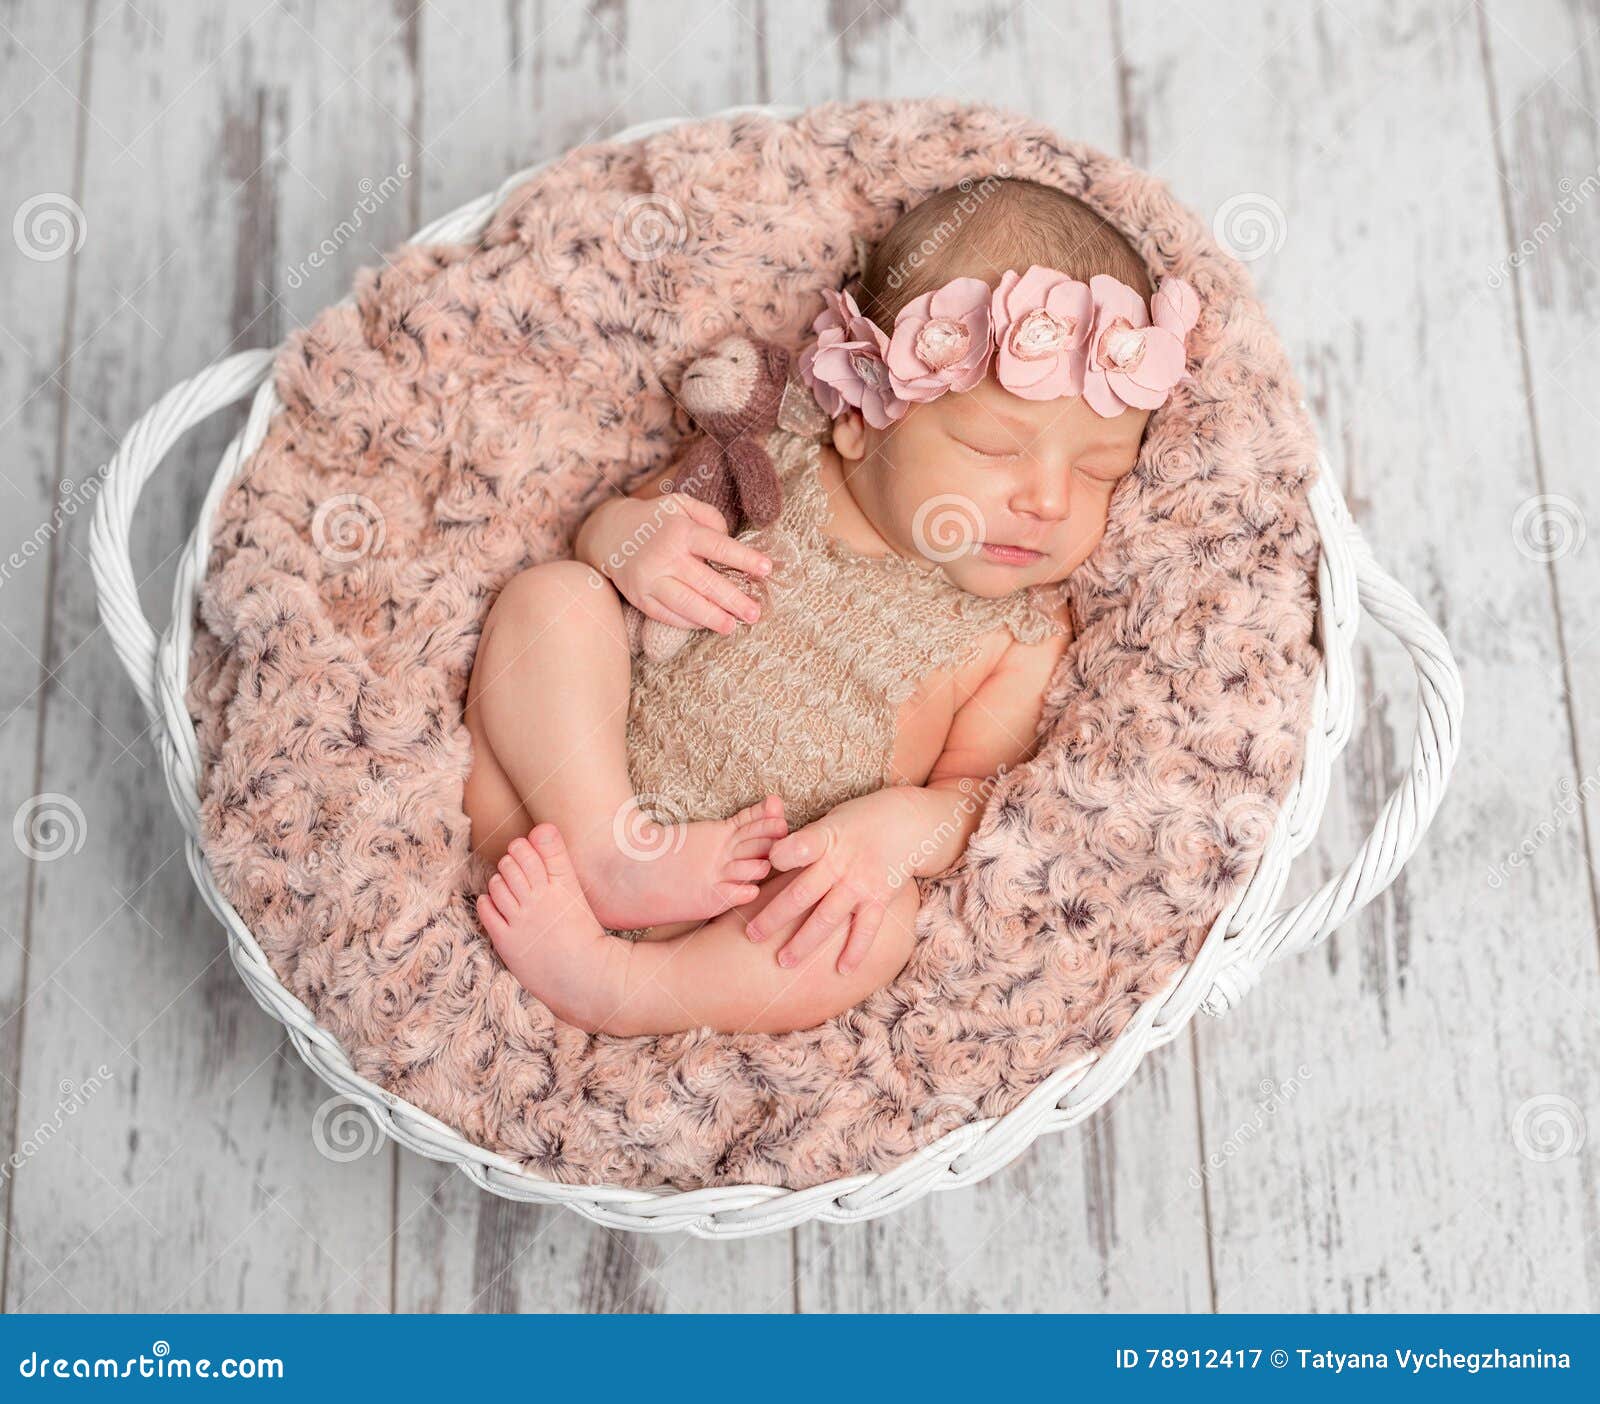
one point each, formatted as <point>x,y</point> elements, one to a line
<point>1000,492</point>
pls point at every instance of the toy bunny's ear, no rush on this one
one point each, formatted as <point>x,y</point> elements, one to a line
<point>777,360</point>
<point>759,490</point>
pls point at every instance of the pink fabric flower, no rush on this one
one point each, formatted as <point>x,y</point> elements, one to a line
<point>1131,362</point>
<point>846,365</point>
<point>831,400</point>
<point>1049,336</point>
<point>1175,307</point>
<point>1041,330</point>
<point>941,341</point>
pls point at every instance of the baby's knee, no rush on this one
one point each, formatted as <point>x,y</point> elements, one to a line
<point>553,584</point>
<point>557,594</point>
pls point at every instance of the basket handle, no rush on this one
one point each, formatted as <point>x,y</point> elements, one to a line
<point>122,481</point>
<point>1410,808</point>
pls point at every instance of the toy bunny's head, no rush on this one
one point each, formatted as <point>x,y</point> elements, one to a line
<point>735,387</point>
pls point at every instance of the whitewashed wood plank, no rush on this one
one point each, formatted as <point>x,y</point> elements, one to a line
<point>41,69</point>
<point>505,88</point>
<point>194,1181</point>
<point>510,86</point>
<point>1093,1219</point>
<point>1056,62</point>
<point>1077,1222</point>
<point>1391,1176</point>
<point>1545,99</point>
<point>461,1250</point>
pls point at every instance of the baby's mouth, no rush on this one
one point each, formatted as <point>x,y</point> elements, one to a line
<point>1004,554</point>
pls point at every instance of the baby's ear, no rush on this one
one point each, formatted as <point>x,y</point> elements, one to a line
<point>850,435</point>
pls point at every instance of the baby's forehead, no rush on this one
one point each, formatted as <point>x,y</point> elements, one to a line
<point>989,406</point>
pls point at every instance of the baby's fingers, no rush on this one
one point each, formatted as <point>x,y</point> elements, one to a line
<point>799,896</point>
<point>726,550</point>
<point>721,591</point>
<point>695,607</point>
<point>801,847</point>
<point>821,926</point>
<point>654,609</point>
<point>863,932</point>
<point>701,513</point>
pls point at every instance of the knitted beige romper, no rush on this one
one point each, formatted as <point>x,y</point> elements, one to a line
<point>803,703</point>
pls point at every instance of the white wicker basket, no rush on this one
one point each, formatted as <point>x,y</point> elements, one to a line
<point>1245,937</point>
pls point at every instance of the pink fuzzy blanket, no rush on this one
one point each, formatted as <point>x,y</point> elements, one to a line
<point>458,420</point>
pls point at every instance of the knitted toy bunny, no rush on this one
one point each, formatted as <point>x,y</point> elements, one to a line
<point>733,394</point>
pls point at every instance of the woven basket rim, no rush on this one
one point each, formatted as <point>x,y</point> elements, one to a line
<point>1245,936</point>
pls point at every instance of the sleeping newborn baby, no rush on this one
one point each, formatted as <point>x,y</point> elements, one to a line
<point>753,809</point>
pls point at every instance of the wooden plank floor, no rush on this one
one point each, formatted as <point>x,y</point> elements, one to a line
<point>1398,1120</point>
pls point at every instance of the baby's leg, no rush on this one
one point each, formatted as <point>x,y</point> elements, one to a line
<point>712,977</point>
<point>547,712</point>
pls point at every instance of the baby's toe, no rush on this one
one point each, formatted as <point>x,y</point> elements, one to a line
<point>517,880</point>
<point>763,826</point>
<point>763,815</point>
<point>530,862</point>
<point>757,847</point>
<point>550,852</point>
<point>493,922</point>
<point>747,870</point>
<point>503,897</point>
<point>736,894</point>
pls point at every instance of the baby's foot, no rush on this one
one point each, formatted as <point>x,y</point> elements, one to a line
<point>535,913</point>
<point>648,874</point>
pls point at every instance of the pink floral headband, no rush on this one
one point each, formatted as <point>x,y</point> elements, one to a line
<point>1051,336</point>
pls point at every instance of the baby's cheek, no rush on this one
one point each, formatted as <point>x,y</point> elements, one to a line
<point>955,511</point>
<point>1085,545</point>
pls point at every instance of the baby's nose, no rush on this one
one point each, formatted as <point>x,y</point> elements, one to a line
<point>1046,496</point>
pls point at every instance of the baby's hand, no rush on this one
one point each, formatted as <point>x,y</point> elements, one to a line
<point>656,551</point>
<point>855,860</point>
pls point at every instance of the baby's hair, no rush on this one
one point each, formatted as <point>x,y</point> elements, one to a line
<point>980,228</point>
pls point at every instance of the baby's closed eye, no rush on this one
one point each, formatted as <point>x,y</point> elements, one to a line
<point>989,450</point>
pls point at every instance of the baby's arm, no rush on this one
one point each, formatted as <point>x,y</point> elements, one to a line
<point>860,853</point>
